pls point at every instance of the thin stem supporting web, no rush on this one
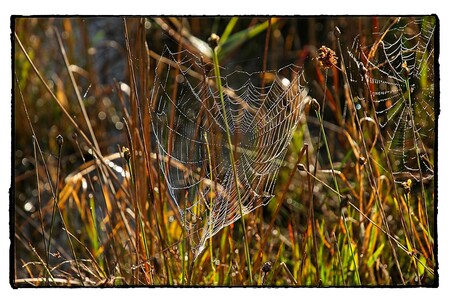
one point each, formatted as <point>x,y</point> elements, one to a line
<point>193,146</point>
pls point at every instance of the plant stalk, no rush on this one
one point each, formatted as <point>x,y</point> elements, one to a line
<point>232,160</point>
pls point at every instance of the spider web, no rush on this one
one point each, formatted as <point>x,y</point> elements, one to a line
<point>190,133</point>
<point>400,73</point>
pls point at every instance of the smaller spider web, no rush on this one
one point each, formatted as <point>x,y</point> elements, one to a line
<point>190,132</point>
<point>400,73</point>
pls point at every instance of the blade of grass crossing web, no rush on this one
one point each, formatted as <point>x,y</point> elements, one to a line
<point>369,170</point>
<point>319,117</point>
<point>233,165</point>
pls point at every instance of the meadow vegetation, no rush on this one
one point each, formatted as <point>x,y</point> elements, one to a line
<point>353,202</point>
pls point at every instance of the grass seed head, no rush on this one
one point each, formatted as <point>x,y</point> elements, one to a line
<point>59,140</point>
<point>213,40</point>
<point>266,267</point>
<point>327,58</point>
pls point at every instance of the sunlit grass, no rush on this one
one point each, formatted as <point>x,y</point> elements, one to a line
<point>98,199</point>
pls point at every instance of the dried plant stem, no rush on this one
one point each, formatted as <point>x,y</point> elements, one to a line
<point>279,201</point>
<point>416,147</point>
<point>288,272</point>
<point>312,216</point>
<point>369,170</point>
<point>48,272</point>
<point>35,148</point>
<point>393,238</point>
<point>67,114</point>
<point>319,116</point>
<point>55,193</point>
<point>56,208</point>
<point>77,92</point>
<point>210,206</point>
<point>232,160</point>
<point>341,268</point>
<point>41,218</point>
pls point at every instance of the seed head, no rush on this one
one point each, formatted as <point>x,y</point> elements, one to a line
<point>337,32</point>
<point>315,105</point>
<point>405,68</point>
<point>126,153</point>
<point>266,267</point>
<point>213,40</point>
<point>327,58</point>
<point>59,140</point>
<point>344,201</point>
<point>301,167</point>
<point>362,160</point>
<point>407,186</point>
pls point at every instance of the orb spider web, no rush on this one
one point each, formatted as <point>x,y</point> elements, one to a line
<point>398,72</point>
<point>189,127</point>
